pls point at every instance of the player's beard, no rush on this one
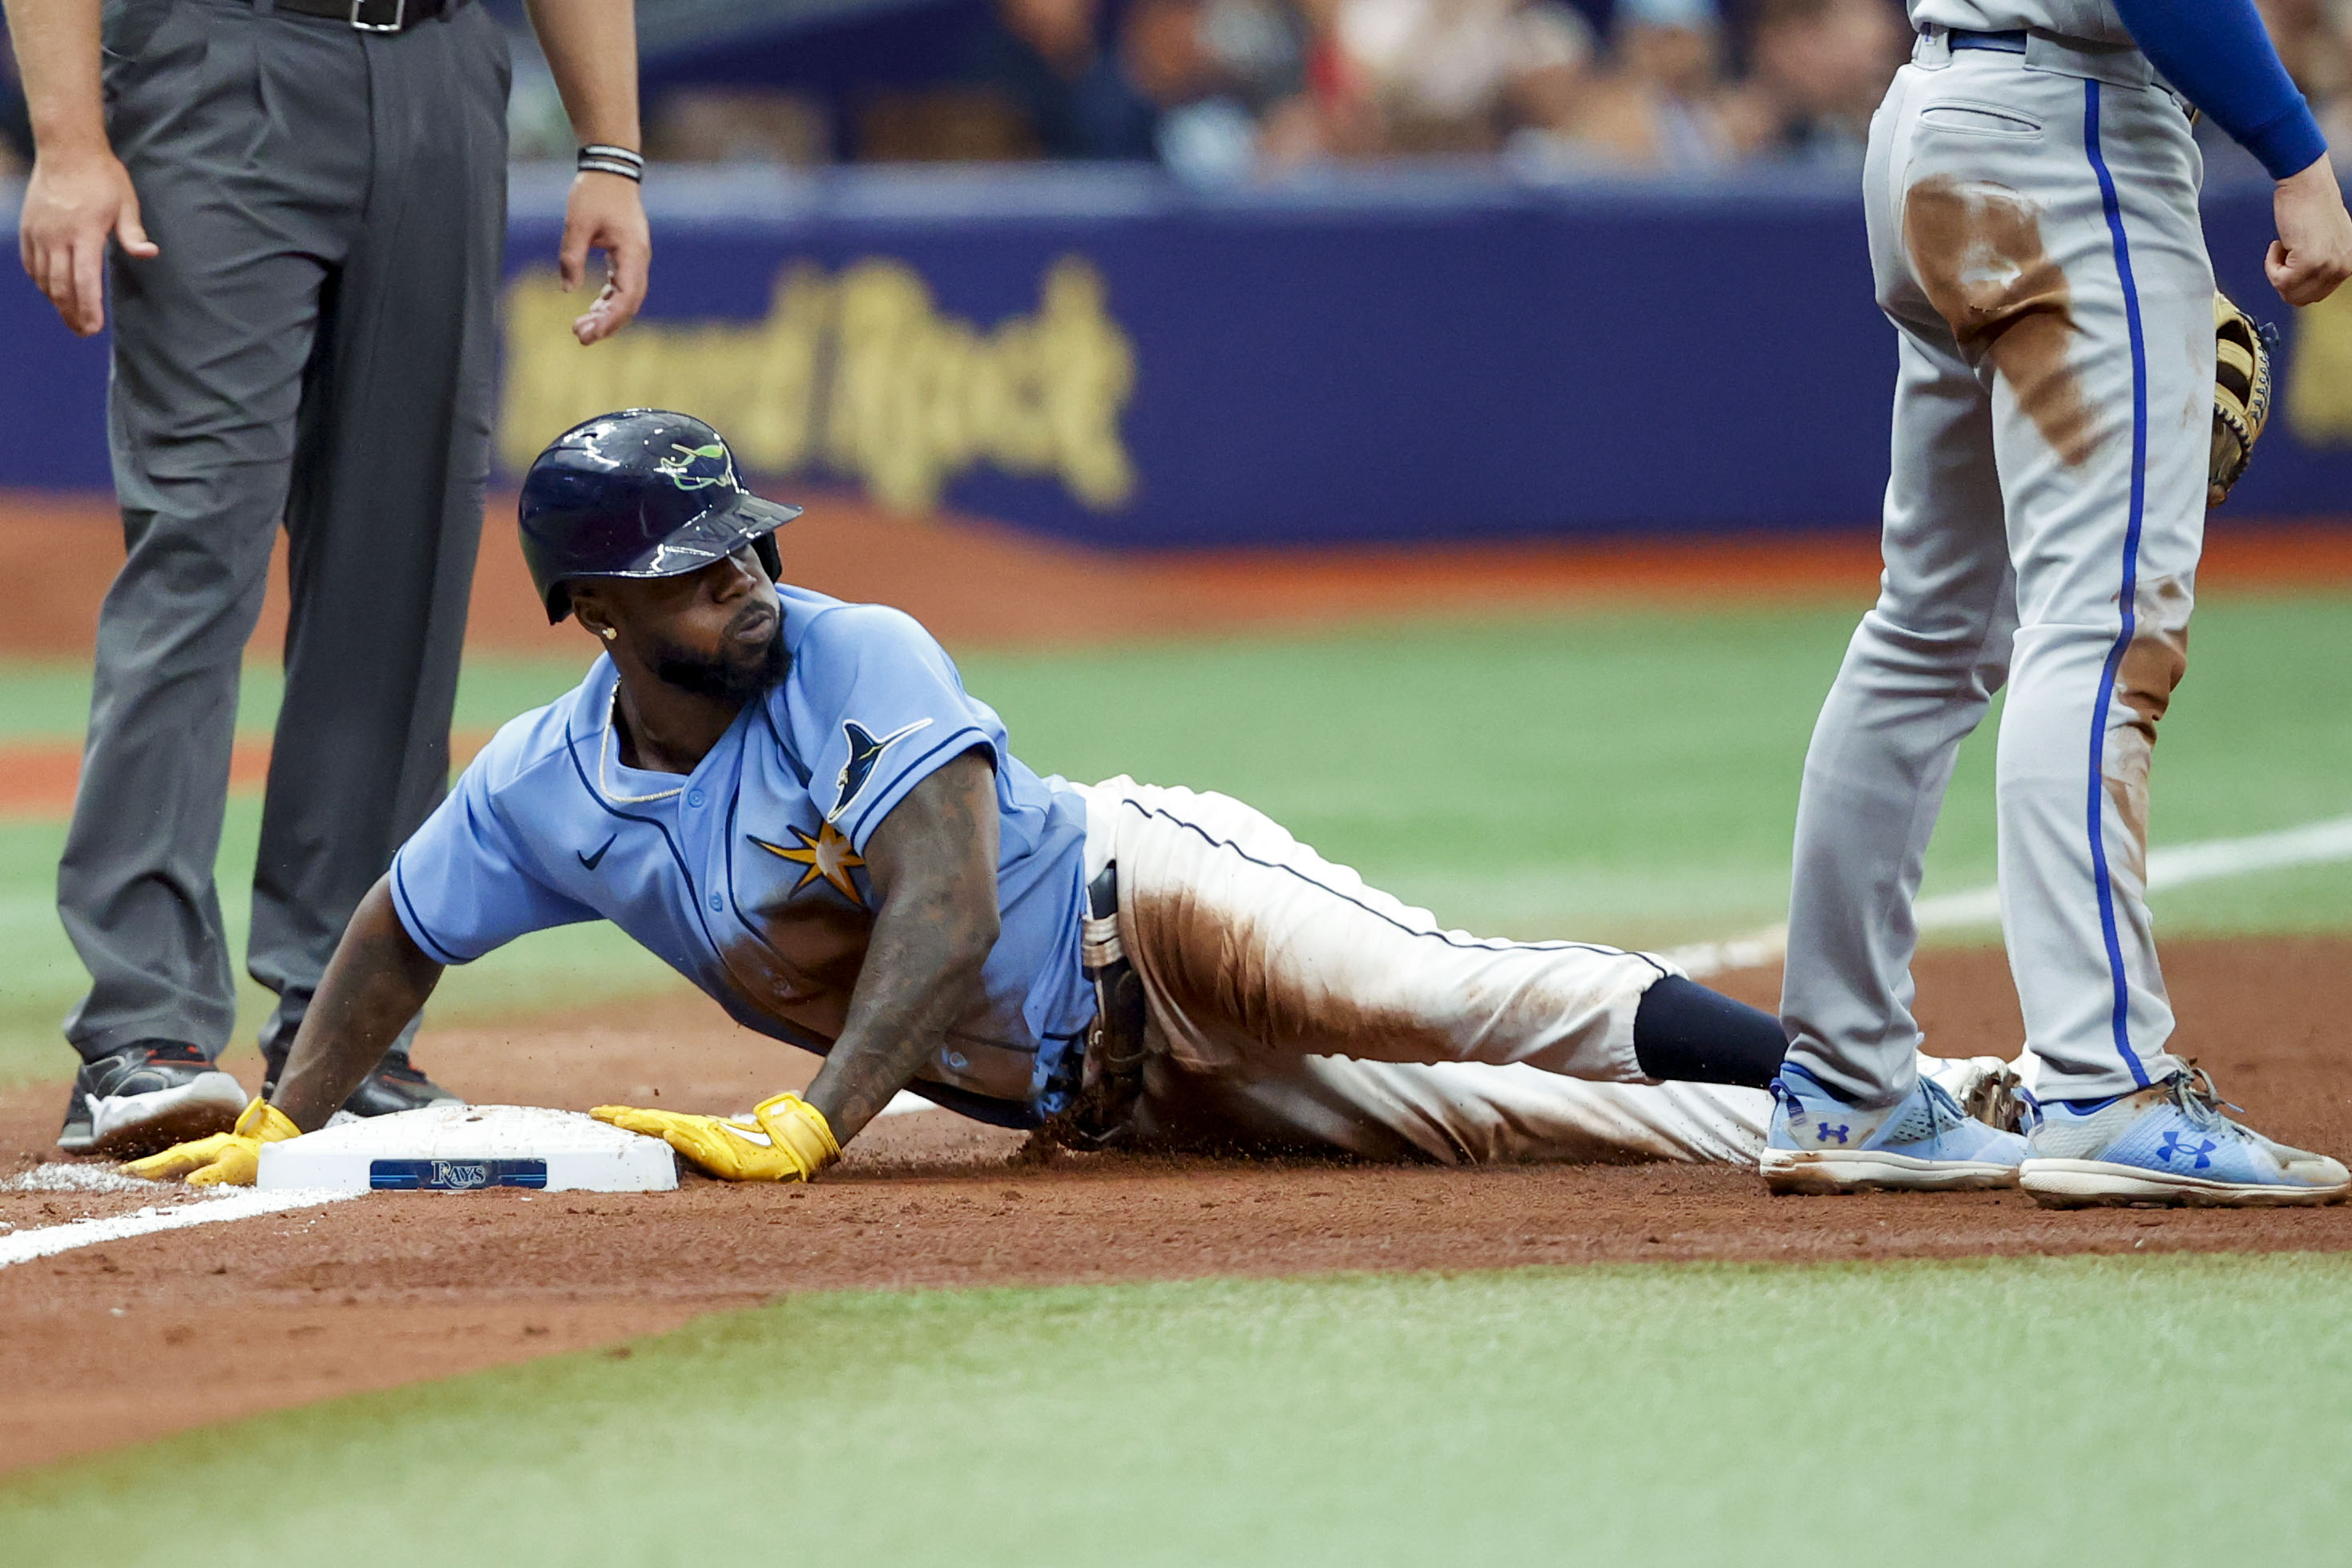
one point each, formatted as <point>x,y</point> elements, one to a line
<point>735,674</point>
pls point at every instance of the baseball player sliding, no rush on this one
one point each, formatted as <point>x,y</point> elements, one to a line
<point>793,802</point>
<point>2031,192</point>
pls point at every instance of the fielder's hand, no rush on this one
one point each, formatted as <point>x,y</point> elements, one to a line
<point>787,1138</point>
<point>224,1159</point>
<point>2313,252</point>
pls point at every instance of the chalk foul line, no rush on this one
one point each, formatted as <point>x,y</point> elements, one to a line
<point>2180,865</point>
<point>25,1245</point>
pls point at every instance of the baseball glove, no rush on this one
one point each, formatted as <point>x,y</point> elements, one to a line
<point>2242,393</point>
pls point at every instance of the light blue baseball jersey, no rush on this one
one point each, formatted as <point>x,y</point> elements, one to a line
<point>748,876</point>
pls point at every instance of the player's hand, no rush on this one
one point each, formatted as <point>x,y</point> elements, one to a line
<point>606,213</point>
<point>224,1159</point>
<point>786,1139</point>
<point>2313,252</point>
<point>76,199</point>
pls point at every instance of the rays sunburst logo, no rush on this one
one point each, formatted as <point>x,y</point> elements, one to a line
<point>827,855</point>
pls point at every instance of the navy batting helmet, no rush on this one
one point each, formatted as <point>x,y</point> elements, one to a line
<point>641,493</point>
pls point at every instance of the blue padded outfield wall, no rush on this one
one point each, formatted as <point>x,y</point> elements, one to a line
<point>1105,356</point>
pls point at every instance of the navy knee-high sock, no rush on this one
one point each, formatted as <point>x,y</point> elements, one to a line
<point>1683,1031</point>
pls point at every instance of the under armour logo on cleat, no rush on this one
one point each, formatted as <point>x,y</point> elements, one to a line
<point>2173,1144</point>
<point>1824,1132</point>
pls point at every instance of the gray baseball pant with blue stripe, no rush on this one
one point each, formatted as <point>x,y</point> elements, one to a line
<point>2034,239</point>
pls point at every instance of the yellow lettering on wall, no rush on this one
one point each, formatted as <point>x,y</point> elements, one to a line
<point>861,374</point>
<point>2319,377</point>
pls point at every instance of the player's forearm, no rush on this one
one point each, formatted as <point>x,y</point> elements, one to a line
<point>56,42</point>
<point>591,50</point>
<point>920,976</point>
<point>376,982</point>
<point>921,971</point>
<point>933,861</point>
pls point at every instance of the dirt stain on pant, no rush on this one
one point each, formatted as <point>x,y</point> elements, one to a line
<point>1977,249</point>
<point>1227,973</point>
<point>2150,670</point>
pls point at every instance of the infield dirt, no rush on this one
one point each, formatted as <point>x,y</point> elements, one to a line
<point>117,1342</point>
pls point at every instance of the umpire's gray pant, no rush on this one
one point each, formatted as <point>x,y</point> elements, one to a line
<point>314,344</point>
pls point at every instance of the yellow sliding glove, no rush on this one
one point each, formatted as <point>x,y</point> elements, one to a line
<point>225,1159</point>
<point>786,1140</point>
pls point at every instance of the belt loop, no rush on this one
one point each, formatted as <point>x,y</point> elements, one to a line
<point>1933,49</point>
<point>1099,946</point>
<point>2118,64</point>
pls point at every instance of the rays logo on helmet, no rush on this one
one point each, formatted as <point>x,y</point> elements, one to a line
<point>865,751</point>
<point>690,469</point>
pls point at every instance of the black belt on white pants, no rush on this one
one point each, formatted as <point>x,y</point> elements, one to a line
<point>1101,1114</point>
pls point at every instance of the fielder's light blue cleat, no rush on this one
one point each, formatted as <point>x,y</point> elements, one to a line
<point>1819,1143</point>
<point>2167,1144</point>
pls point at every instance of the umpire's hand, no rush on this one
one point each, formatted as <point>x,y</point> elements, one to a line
<point>79,197</point>
<point>605,213</point>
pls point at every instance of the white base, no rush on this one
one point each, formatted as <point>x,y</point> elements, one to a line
<point>460,1148</point>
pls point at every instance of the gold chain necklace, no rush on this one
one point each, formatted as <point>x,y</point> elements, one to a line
<point>604,758</point>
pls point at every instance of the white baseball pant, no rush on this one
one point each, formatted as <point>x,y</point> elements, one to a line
<point>1292,1006</point>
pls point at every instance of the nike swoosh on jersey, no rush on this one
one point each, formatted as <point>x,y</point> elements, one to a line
<point>593,861</point>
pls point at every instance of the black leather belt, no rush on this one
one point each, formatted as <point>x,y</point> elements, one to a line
<point>372,16</point>
<point>2008,43</point>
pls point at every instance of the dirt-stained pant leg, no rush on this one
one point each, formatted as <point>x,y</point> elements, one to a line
<point>1453,1112</point>
<point>1292,1005</point>
<point>2036,233</point>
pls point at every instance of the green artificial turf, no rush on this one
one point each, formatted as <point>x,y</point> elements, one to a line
<point>43,700</point>
<point>576,967</point>
<point>1626,777</point>
<point>2076,1411</point>
<point>1633,777</point>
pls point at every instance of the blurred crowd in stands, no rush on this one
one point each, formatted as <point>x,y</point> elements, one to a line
<point>1224,89</point>
<point>1273,84</point>
<point>1221,90</point>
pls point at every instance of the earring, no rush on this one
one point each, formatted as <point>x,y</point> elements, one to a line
<point>609,634</point>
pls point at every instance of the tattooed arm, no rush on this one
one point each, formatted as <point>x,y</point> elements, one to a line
<point>375,983</point>
<point>933,865</point>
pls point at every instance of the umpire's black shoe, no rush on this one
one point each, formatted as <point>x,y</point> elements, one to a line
<point>395,1086</point>
<point>147,1097</point>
